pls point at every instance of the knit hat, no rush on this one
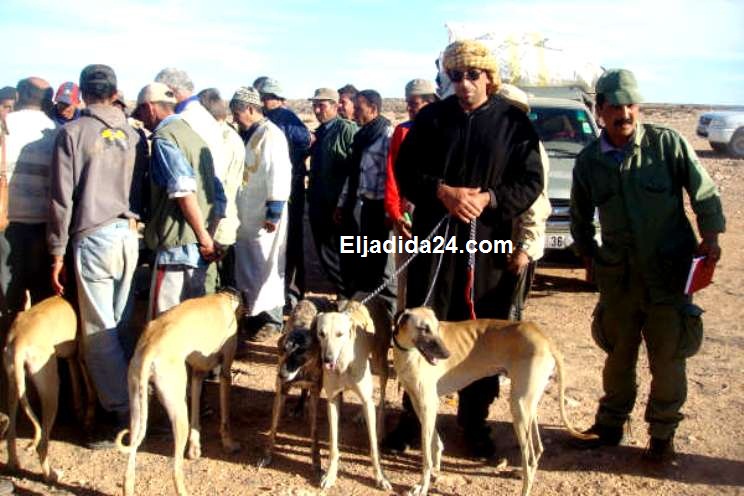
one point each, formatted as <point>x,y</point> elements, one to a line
<point>420,87</point>
<point>247,96</point>
<point>471,54</point>
<point>619,87</point>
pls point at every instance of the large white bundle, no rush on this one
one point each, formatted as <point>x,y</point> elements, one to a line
<point>531,59</point>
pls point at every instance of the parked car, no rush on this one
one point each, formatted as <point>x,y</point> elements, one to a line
<point>724,130</point>
<point>565,128</point>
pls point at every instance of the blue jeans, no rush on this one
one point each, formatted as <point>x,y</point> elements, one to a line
<point>104,267</point>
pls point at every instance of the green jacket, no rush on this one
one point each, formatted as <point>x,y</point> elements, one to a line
<point>330,158</point>
<point>167,227</point>
<point>641,209</point>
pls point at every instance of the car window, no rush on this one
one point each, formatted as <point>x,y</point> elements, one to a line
<point>562,124</point>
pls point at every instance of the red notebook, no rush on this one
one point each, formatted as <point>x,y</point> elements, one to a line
<point>700,275</point>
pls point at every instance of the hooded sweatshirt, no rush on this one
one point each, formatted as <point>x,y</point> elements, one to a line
<point>91,175</point>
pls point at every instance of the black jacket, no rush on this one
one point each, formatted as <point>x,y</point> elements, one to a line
<point>495,148</point>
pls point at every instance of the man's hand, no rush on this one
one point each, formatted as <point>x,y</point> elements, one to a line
<point>709,248</point>
<point>207,249</point>
<point>518,261</point>
<point>403,226</point>
<point>58,275</point>
<point>465,204</point>
<point>269,226</point>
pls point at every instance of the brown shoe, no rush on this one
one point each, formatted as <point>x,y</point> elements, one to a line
<point>659,450</point>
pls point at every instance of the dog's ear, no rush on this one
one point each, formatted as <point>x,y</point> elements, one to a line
<point>402,318</point>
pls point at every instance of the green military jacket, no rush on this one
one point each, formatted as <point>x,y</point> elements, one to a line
<point>330,162</point>
<point>641,209</point>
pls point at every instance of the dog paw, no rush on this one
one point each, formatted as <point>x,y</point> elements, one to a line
<point>54,475</point>
<point>264,462</point>
<point>327,481</point>
<point>194,451</point>
<point>417,490</point>
<point>384,484</point>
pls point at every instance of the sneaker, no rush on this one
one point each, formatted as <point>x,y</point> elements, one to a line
<point>606,436</point>
<point>479,443</point>
<point>659,450</point>
<point>266,331</point>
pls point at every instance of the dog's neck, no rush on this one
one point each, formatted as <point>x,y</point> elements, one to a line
<point>399,346</point>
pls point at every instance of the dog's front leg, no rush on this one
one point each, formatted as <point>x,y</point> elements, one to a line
<point>197,379</point>
<point>228,444</point>
<point>276,413</point>
<point>365,391</point>
<point>426,408</point>
<point>315,449</point>
<point>329,479</point>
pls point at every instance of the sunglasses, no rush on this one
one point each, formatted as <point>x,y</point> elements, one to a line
<point>471,75</point>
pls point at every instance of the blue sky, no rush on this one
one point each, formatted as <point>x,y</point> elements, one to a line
<point>682,51</point>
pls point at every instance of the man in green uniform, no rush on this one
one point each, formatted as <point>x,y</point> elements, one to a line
<point>634,174</point>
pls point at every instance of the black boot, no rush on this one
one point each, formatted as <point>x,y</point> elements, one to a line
<point>659,450</point>
<point>478,441</point>
<point>406,434</point>
<point>605,435</point>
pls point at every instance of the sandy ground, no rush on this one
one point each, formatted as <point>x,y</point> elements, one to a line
<point>711,453</point>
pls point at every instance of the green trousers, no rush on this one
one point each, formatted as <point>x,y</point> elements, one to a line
<point>672,331</point>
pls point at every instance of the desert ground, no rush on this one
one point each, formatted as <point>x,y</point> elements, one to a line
<point>709,441</point>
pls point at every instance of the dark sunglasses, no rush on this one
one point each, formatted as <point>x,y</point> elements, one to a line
<point>470,75</point>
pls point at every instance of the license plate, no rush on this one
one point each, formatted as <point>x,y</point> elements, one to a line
<point>558,241</point>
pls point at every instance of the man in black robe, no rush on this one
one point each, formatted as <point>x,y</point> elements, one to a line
<point>476,157</point>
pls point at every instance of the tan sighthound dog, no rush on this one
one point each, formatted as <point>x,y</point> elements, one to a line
<point>346,343</point>
<point>201,333</point>
<point>299,366</point>
<point>37,337</point>
<point>434,358</point>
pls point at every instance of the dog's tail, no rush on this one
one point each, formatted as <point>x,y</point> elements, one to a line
<point>19,377</point>
<point>562,394</point>
<point>139,379</point>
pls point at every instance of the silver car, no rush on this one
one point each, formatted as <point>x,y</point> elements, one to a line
<point>565,128</point>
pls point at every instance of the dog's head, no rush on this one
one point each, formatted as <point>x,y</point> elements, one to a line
<point>334,330</point>
<point>419,328</point>
<point>299,351</point>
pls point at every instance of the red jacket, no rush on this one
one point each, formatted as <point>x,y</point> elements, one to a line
<point>395,205</point>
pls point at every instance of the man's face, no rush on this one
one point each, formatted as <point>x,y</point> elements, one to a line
<point>324,110</point>
<point>65,110</point>
<point>6,107</point>
<point>471,86</point>
<point>244,118</point>
<point>619,121</point>
<point>364,111</point>
<point>346,106</point>
<point>414,104</point>
<point>271,103</point>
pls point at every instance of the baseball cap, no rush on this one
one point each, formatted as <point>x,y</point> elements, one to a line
<point>97,75</point>
<point>420,87</point>
<point>272,87</point>
<point>68,93</point>
<point>325,94</point>
<point>156,93</point>
<point>619,87</point>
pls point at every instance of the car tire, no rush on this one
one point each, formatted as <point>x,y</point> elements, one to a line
<point>719,147</point>
<point>736,145</point>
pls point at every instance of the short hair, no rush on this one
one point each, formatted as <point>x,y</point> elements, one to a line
<point>31,95</point>
<point>372,97</point>
<point>212,101</point>
<point>348,89</point>
<point>175,78</point>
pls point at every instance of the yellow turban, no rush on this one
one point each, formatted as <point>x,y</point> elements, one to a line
<point>473,54</point>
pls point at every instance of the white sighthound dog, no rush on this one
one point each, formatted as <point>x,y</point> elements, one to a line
<point>37,337</point>
<point>434,358</point>
<point>200,332</point>
<point>346,344</point>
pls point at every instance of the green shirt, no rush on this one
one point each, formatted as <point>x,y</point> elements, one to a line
<point>330,162</point>
<point>641,208</point>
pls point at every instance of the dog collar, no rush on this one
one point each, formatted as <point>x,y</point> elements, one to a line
<point>397,345</point>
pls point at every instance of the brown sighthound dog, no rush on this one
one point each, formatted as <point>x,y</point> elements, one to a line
<point>299,366</point>
<point>201,333</point>
<point>434,358</point>
<point>37,337</point>
<point>346,343</point>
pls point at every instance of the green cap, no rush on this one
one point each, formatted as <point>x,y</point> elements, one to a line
<point>619,87</point>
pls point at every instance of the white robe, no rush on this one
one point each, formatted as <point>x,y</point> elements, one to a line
<point>260,256</point>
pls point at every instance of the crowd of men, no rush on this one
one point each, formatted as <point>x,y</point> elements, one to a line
<point>221,190</point>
